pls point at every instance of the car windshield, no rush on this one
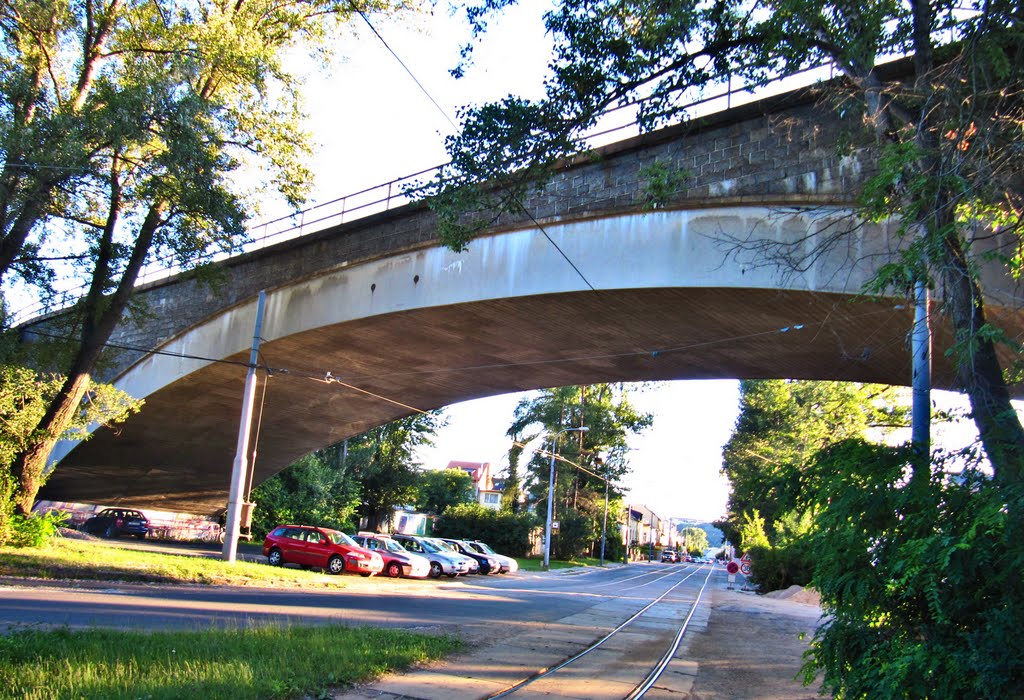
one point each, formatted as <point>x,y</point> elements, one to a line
<point>341,538</point>
<point>393,546</point>
<point>444,545</point>
<point>484,548</point>
<point>428,545</point>
<point>474,547</point>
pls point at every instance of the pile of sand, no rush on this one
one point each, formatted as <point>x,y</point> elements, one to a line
<point>797,594</point>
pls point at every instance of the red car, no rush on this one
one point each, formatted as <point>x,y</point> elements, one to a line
<point>319,547</point>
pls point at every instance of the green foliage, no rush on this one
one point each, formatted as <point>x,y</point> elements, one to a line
<point>24,397</point>
<point>752,532</point>
<point>575,535</point>
<point>507,533</point>
<point>443,488</point>
<point>782,425</point>
<point>316,490</point>
<point>37,529</point>
<point>696,540</point>
<point>382,460</point>
<point>661,182</point>
<point>919,578</point>
<point>606,411</point>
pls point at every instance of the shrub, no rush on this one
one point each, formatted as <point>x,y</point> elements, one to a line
<point>507,533</point>
<point>36,530</point>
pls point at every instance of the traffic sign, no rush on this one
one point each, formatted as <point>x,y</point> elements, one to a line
<point>554,524</point>
<point>745,568</point>
<point>732,567</point>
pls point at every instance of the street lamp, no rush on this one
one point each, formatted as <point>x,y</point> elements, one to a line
<point>604,523</point>
<point>551,492</point>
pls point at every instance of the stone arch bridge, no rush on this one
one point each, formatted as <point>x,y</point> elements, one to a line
<point>371,320</point>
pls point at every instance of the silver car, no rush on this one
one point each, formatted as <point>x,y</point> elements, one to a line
<point>442,561</point>
<point>508,564</point>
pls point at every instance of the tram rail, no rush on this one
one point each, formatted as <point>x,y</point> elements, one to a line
<point>658,668</point>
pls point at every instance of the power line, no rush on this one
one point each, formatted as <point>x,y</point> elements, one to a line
<point>430,97</point>
<point>329,377</point>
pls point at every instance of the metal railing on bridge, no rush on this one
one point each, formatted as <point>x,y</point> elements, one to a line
<point>405,190</point>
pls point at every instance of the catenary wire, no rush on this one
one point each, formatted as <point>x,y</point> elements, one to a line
<point>430,97</point>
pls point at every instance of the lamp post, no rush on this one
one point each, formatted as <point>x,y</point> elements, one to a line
<point>604,521</point>
<point>551,493</point>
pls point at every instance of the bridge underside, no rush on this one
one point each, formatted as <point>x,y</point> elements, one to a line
<point>428,358</point>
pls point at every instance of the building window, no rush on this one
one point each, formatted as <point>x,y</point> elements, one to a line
<point>492,499</point>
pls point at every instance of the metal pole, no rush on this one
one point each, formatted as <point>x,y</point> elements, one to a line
<point>551,493</point>
<point>920,435</point>
<point>238,470</point>
<point>604,522</point>
<point>551,502</point>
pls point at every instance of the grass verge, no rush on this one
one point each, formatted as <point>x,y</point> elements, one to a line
<point>81,559</point>
<point>537,564</point>
<point>258,663</point>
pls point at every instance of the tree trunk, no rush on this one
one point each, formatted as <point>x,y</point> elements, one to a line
<point>980,371</point>
<point>29,466</point>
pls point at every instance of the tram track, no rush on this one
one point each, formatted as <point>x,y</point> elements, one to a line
<point>655,668</point>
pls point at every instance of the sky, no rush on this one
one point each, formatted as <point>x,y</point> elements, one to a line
<point>373,123</point>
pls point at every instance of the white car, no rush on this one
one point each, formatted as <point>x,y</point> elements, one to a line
<point>397,560</point>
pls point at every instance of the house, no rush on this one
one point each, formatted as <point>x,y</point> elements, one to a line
<point>488,490</point>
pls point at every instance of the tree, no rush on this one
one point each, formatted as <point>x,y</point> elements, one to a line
<point>695,539</point>
<point>945,136</point>
<point>781,427</point>
<point>24,395</point>
<point>317,490</point>
<point>507,533</point>
<point>608,415</point>
<point>440,489</point>
<point>919,579</point>
<point>382,460</point>
<point>123,124</point>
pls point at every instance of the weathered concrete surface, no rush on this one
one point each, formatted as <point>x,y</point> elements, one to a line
<point>691,291</point>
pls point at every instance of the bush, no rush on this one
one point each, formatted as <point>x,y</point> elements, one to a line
<point>36,530</point>
<point>919,578</point>
<point>506,533</point>
<point>576,534</point>
<point>776,568</point>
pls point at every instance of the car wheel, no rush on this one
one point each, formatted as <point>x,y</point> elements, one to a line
<point>335,565</point>
<point>110,532</point>
<point>435,570</point>
<point>275,558</point>
<point>394,569</point>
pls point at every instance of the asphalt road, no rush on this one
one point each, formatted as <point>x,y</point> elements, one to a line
<point>475,607</point>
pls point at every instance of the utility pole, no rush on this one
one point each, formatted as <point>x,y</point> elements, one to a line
<point>240,467</point>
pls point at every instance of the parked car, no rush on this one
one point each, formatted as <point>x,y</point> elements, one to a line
<point>442,560</point>
<point>114,522</point>
<point>670,555</point>
<point>320,548</point>
<point>488,563</point>
<point>397,560</point>
<point>508,564</point>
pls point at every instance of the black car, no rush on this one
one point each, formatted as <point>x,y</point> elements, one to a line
<point>488,564</point>
<point>114,522</point>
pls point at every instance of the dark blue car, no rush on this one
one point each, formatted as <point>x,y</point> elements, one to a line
<point>114,522</point>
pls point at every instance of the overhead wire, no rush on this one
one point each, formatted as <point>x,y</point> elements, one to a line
<point>430,97</point>
<point>346,381</point>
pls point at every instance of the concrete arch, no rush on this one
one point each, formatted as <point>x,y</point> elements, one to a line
<point>664,294</point>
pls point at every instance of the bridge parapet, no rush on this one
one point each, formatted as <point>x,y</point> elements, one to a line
<point>780,151</point>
